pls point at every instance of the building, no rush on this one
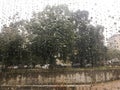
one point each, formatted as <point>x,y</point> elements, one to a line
<point>114,42</point>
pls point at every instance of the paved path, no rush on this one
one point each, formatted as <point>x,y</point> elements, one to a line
<point>113,85</point>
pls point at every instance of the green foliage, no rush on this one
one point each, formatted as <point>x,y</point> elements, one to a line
<point>54,33</point>
<point>89,41</point>
<point>12,46</point>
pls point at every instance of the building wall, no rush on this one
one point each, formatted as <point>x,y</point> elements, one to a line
<point>114,42</point>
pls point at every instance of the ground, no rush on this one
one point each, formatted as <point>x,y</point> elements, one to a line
<point>113,85</point>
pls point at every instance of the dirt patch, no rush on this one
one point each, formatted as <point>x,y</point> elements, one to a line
<point>113,85</point>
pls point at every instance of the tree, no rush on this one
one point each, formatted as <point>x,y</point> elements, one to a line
<point>89,40</point>
<point>53,34</point>
<point>13,48</point>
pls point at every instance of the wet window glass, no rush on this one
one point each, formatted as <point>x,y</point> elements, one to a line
<point>59,45</point>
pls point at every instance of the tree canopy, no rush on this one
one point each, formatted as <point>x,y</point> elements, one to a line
<point>54,33</point>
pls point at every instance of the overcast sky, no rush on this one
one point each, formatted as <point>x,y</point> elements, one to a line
<point>104,12</point>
